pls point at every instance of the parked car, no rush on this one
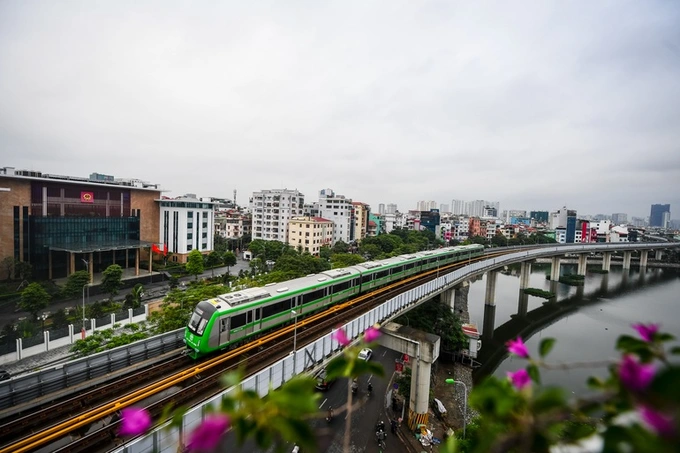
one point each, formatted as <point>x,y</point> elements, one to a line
<point>365,354</point>
<point>321,382</point>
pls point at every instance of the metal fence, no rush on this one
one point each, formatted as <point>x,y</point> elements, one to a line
<point>35,340</point>
<point>103,321</point>
<point>59,333</point>
<point>138,311</point>
<point>122,315</point>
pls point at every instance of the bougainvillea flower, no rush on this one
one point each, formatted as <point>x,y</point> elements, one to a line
<point>134,421</point>
<point>635,376</point>
<point>519,378</point>
<point>518,347</point>
<point>341,337</point>
<point>371,334</point>
<point>662,424</point>
<point>208,434</point>
<point>646,331</point>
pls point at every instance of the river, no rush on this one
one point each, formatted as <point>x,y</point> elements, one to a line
<point>586,321</point>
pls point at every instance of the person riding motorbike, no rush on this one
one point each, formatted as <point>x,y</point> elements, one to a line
<point>329,417</point>
<point>355,386</point>
<point>370,388</point>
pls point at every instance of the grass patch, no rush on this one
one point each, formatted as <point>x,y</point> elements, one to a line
<point>539,293</point>
<point>598,271</point>
<point>573,279</point>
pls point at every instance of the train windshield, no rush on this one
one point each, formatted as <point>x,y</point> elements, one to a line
<point>200,317</point>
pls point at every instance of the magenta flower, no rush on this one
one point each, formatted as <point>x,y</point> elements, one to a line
<point>208,434</point>
<point>371,334</point>
<point>635,376</point>
<point>646,331</point>
<point>134,421</point>
<point>662,424</point>
<point>519,378</point>
<point>341,337</point>
<point>518,347</point>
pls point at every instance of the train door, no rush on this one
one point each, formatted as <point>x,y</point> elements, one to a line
<point>223,329</point>
<point>257,318</point>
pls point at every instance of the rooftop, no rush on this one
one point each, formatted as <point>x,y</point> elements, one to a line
<point>31,175</point>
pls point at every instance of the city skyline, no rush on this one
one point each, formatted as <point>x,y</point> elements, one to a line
<point>536,108</point>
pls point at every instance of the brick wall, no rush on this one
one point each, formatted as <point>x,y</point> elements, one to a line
<point>150,209</point>
<point>19,195</point>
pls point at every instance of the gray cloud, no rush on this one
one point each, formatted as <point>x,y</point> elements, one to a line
<point>535,105</point>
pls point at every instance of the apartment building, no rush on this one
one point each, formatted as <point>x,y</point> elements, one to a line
<point>187,224</point>
<point>338,209</point>
<point>233,224</point>
<point>272,210</point>
<point>310,233</point>
<point>360,215</point>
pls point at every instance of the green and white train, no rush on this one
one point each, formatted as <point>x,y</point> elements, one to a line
<point>233,317</point>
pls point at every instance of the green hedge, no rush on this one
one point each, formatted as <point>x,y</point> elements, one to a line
<point>539,293</point>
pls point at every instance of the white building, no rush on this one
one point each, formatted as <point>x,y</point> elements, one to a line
<point>389,222</point>
<point>391,209</point>
<point>457,207</point>
<point>186,224</point>
<point>618,234</point>
<point>338,210</point>
<point>272,209</point>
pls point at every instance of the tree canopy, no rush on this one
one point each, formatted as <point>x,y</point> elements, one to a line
<point>194,264</point>
<point>34,299</point>
<point>112,280</point>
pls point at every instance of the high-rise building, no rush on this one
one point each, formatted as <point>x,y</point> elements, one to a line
<point>338,210</point>
<point>391,209</point>
<point>619,218</point>
<point>381,208</point>
<point>426,205</point>
<point>660,215</point>
<point>457,207</point>
<point>444,208</point>
<point>540,216</point>
<point>360,213</point>
<point>272,209</point>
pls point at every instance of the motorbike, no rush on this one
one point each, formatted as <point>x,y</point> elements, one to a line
<point>370,388</point>
<point>329,416</point>
<point>355,386</point>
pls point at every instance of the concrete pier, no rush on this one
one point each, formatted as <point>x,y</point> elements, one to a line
<point>424,349</point>
<point>606,261</point>
<point>490,297</point>
<point>644,254</point>
<point>582,264</point>
<point>525,273</point>
<point>626,259</point>
<point>555,269</point>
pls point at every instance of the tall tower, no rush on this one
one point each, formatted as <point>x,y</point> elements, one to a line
<point>234,197</point>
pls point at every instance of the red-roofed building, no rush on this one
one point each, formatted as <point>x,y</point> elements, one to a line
<point>310,233</point>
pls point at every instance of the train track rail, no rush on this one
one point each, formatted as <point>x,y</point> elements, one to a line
<point>78,424</point>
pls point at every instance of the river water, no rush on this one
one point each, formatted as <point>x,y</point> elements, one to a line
<point>585,321</point>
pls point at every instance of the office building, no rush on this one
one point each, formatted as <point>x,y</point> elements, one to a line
<point>660,215</point>
<point>187,224</point>
<point>61,224</point>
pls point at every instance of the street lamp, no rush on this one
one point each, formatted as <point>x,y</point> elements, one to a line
<point>82,332</point>
<point>294,313</point>
<point>453,381</point>
<point>43,317</point>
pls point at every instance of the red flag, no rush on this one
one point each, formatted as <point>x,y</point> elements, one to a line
<point>155,249</point>
<point>160,248</point>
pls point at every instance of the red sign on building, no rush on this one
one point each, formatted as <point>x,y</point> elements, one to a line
<point>398,366</point>
<point>87,197</point>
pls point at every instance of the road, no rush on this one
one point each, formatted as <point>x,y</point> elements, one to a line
<point>365,415</point>
<point>152,291</point>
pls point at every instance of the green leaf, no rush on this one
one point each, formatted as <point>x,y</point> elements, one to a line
<point>534,373</point>
<point>664,337</point>
<point>665,384</point>
<point>675,350</point>
<point>629,344</point>
<point>231,379</point>
<point>595,382</point>
<point>546,346</point>
<point>550,398</point>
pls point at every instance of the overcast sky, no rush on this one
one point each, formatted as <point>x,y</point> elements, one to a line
<point>533,104</point>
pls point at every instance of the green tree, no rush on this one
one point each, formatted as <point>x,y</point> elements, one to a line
<point>325,253</point>
<point>134,299</point>
<point>229,259</point>
<point>370,251</point>
<point>340,247</point>
<point>437,317</point>
<point>113,279</point>
<point>34,298</point>
<point>9,263</point>
<point>75,283</point>
<point>220,244</point>
<point>195,264</point>
<point>59,318</point>
<point>23,270</point>
<point>346,260</point>
<point>300,265</point>
<point>27,328</point>
<point>213,259</point>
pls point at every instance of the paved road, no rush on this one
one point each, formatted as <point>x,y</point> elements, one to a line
<point>152,291</point>
<point>370,410</point>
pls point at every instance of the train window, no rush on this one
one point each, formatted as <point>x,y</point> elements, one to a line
<point>258,314</point>
<point>382,274</point>
<point>397,269</point>
<point>268,311</point>
<point>238,321</point>
<point>366,278</point>
<point>340,287</point>
<point>315,295</point>
<point>249,317</point>
<point>409,266</point>
<point>224,322</point>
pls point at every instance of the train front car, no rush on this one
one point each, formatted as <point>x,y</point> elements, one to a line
<point>195,334</point>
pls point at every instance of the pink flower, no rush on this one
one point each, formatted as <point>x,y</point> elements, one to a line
<point>134,421</point>
<point>646,331</point>
<point>662,424</point>
<point>518,347</point>
<point>341,337</point>
<point>519,378</point>
<point>208,434</point>
<point>634,375</point>
<point>371,334</point>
